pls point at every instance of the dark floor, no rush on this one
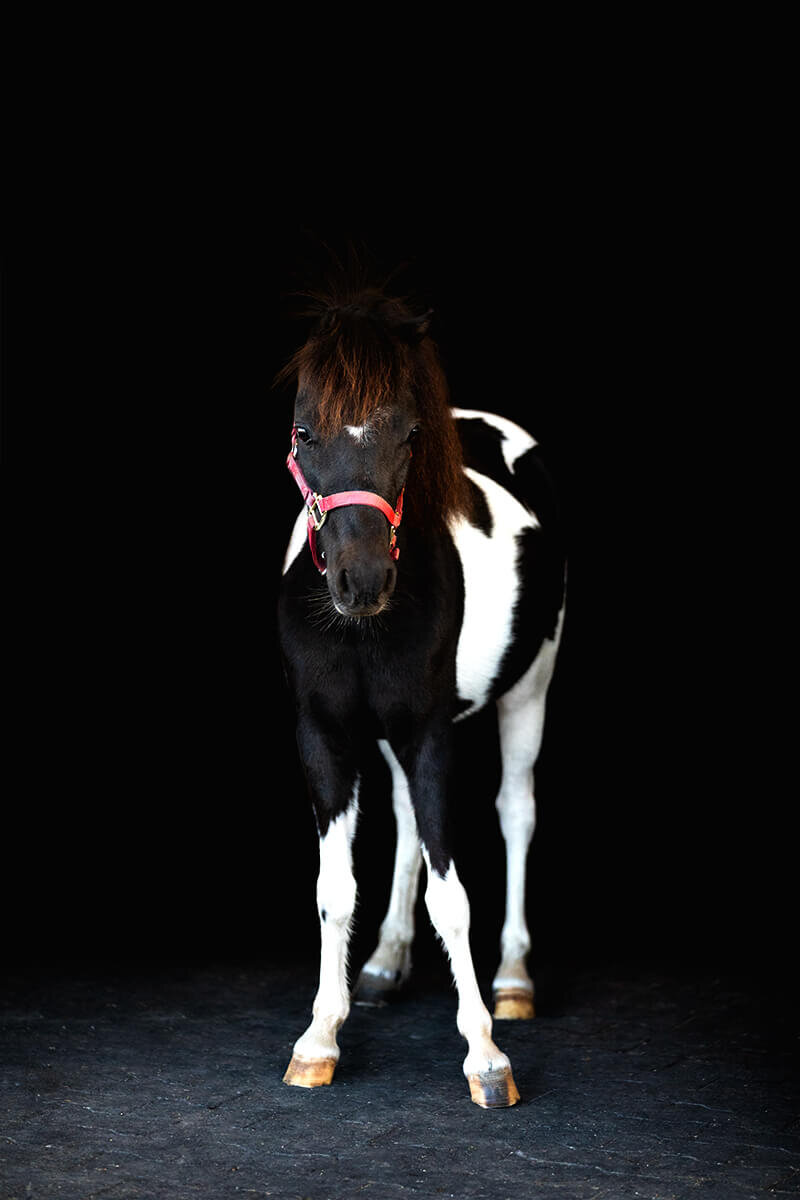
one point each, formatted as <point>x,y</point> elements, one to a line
<point>635,1082</point>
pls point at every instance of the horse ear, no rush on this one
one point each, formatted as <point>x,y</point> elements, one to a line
<point>424,323</point>
<point>327,320</point>
<point>416,327</point>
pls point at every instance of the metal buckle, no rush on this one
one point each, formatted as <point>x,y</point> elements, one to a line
<point>317,522</point>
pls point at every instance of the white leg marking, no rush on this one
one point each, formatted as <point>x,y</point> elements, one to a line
<point>392,958</point>
<point>449,911</point>
<point>336,900</point>
<point>521,714</point>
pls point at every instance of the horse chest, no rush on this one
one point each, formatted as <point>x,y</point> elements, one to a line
<point>468,613</point>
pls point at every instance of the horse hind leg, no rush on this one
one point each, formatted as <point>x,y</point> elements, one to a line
<point>389,966</point>
<point>521,723</point>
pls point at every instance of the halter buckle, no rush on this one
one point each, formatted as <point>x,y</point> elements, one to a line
<point>318,519</point>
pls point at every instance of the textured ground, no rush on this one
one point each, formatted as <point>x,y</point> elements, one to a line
<point>154,1083</point>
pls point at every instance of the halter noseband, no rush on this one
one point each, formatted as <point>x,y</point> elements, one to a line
<point>318,507</point>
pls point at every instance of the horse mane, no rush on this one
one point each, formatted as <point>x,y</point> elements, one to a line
<point>365,349</point>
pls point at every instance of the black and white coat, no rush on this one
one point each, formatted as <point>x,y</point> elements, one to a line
<point>475,619</point>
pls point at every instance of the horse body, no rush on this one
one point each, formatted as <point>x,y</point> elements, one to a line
<point>395,649</point>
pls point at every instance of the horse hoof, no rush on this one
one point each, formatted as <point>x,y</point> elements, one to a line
<point>370,997</point>
<point>493,1089</point>
<point>374,991</point>
<point>513,1004</point>
<point>310,1072</point>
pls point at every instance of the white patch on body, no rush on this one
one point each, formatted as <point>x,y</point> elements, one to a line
<point>491,589</point>
<point>516,440</point>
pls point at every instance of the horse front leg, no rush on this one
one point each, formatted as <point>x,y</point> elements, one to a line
<point>316,1052</point>
<point>486,1067</point>
<point>389,966</point>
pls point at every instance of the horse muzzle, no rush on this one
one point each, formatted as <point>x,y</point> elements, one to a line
<point>362,587</point>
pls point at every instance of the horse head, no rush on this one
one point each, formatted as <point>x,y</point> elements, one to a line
<point>371,415</point>
<point>360,471</point>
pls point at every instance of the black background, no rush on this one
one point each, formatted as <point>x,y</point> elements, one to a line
<point>163,816</point>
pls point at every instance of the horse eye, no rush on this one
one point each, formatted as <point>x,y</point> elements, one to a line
<point>413,434</point>
<point>303,434</point>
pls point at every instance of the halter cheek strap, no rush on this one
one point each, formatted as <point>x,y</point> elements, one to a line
<point>318,507</point>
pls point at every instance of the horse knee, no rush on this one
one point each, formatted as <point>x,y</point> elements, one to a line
<point>336,885</point>
<point>447,904</point>
<point>336,898</point>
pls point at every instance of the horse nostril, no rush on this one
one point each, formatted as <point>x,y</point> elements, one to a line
<point>363,585</point>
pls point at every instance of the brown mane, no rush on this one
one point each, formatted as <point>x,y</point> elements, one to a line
<point>366,349</point>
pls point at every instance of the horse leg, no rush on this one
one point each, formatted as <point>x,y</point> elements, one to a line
<point>316,1052</point>
<point>521,724</point>
<point>390,965</point>
<point>487,1069</point>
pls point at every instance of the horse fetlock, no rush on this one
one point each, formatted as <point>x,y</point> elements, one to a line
<point>319,1040</point>
<point>513,969</point>
<point>515,945</point>
<point>377,984</point>
<point>329,1015</point>
<point>391,975</point>
<point>485,1057</point>
<point>392,958</point>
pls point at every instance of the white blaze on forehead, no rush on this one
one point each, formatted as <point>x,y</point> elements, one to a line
<point>359,433</point>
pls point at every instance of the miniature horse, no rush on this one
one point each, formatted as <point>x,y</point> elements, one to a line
<point>424,579</point>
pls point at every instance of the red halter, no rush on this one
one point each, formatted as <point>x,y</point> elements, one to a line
<point>318,507</point>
